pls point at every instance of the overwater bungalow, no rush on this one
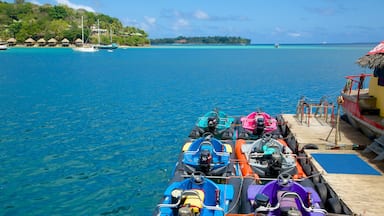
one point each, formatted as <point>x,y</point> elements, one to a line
<point>29,42</point>
<point>78,42</point>
<point>52,42</point>
<point>65,42</point>
<point>42,42</point>
<point>11,42</point>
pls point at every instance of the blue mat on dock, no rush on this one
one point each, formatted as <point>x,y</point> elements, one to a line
<point>344,164</point>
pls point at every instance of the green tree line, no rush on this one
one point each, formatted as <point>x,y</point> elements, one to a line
<point>202,40</point>
<point>26,20</point>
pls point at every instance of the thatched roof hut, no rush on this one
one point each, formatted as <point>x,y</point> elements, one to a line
<point>78,42</point>
<point>11,42</point>
<point>65,42</point>
<point>374,58</point>
<point>52,42</point>
<point>29,42</point>
<point>41,42</point>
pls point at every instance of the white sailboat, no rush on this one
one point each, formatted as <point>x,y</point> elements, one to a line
<point>84,47</point>
<point>3,47</point>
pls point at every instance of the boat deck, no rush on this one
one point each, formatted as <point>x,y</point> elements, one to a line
<point>367,104</point>
<point>359,185</point>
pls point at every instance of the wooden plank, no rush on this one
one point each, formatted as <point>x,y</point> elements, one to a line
<point>318,131</point>
<point>363,194</point>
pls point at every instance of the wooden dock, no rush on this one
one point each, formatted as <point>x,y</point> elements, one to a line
<point>363,194</point>
<point>318,130</point>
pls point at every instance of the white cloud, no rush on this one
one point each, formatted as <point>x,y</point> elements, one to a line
<point>130,22</point>
<point>75,6</point>
<point>36,2</point>
<point>180,23</point>
<point>294,34</point>
<point>278,30</point>
<point>150,20</point>
<point>148,23</point>
<point>201,15</point>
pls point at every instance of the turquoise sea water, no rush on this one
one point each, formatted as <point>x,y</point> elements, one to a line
<point>99,133</point>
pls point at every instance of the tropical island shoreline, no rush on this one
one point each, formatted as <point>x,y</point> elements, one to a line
<point>30,25</point>
<point>271,45</point>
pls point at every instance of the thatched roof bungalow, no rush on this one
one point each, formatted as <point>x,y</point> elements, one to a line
<point>52,42</point>
<point>11,42</point>
<point>374,59</point>
<point>78,42</point>
<point>65,42</point>
<point>42,42</point>
<point>29,42</point>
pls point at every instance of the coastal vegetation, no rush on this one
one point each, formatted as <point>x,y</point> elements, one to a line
<point>22,20</point>
<point>202,40</point>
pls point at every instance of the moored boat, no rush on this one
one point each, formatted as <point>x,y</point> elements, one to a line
<point>3,46</point>
<point>208,155</point>
<point>284,196</point>
<point>199,195</point>
<point>107,46</point>
<point>267,157</point>
<point>255,124</point>
<point>84,47</point>
<point>364,104</point>
<point>359,106</point>
<point>214,122</point>
<point>263,177</point>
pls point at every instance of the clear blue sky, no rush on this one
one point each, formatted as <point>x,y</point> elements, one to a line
<point>271,21</point>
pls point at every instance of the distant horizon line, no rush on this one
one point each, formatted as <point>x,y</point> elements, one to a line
<point>318,43</point>
<point>273,44</point>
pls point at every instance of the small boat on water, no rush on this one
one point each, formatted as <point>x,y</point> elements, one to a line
<point>214,122</point>
<point>84,47</point>
<point>362,103</point>
<point>111,46</point>
<point>3,46</point>
<point>255,124</point>
<point>267,157</point>
<point>277,45</point>
<point>284,196</point>
<point>199,195</point>
<point>207,155</point>
<point>108,47</point>
<point>263,177</point>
